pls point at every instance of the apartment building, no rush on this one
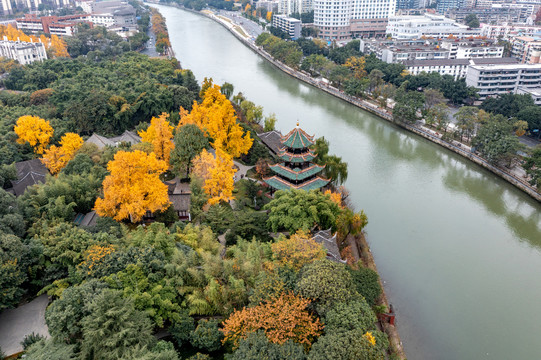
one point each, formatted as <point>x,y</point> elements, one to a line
<point>288,25</point>
<point>56,25</point>
<point>344,19</point>
<point>399,51</point>
<point>534,92</point>
<point>288,7</point>
<point>445,5</point>
<point>503,78</point>
<point>455,67</point>
<point>472,48</point>
<point>508,31</point>
<point>526,49</point>
<point>24,52</point>
<point>428,25</point>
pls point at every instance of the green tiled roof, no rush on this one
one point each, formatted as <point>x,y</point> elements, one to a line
<point>280,184</point>
<point>297,139</point>
<point>296,174</point>
<point>296,158</point>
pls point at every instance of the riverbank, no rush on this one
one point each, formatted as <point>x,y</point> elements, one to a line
<point>376,110</point>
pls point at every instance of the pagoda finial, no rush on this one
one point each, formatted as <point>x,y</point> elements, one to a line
<point>297,123</point>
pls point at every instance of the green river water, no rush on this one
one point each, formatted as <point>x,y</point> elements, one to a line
<point>458,248</point>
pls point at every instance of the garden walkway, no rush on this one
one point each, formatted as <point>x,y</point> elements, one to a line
<point>15,324</point>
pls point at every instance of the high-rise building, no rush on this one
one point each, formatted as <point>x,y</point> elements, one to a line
<point>445,5</point>
<point>288,7</point>
<point>342,19</point>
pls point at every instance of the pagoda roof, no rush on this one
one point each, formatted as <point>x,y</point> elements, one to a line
<point>281,184</point>
<point>296,173</point>
<point>284,155</point>
<point>297,139</point>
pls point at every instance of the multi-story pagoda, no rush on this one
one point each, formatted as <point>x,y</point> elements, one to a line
<point>296,169</point>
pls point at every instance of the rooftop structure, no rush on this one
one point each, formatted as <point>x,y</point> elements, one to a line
<point>23,52</point>
<point>427,25</point>
<point>290,26</point>
<point>296,169</point>
<point>535,93</point>
<point>454,67</point>
<point>30,172</point>
<point>272,139</point>
<point>399,51</point>
<point>328,240</point>
<point>508,31</point>
<point>102,141</point>
<point>493,80</point>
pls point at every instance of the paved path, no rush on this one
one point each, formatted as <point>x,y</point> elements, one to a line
<point>15,324</point>
<point>241,173</point>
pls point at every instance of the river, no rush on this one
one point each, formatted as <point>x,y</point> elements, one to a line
<point>458,248</point>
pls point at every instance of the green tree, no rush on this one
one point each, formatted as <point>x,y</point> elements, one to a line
<point>496,141</point>
<point>352,315</point>
<point>50,349</point>
<point>270,122</point>
<point>65,314</point>
<point>11,219</point>
<point>207,336</point>
<point>366,282</point>
<point>189,142</point>
<point>407,105</point>
<point>12,272</point>
<point>298,209</point>
<point>182,329</point>
<point>113,326</point>
<point>533,167</point>
<point>532,115</point>
<point>349,345</point>
<point>227,89</point>
<point>326,283</point>
<point>467,119</point>
<point>472,21</point>
<point>256,346</point>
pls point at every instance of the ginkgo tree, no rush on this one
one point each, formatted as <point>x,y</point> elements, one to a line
<point>160,135</point>
<point>56,158</point>
<point>133,186</point>
<point>218,173</point>
<point>216,116</point>
<point>34,130</point>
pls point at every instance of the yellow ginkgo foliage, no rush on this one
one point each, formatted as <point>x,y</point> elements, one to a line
<point>218,174</point>
<point>297,251</point>
<point>133,186</point>
<point>56,157</point>
<point>216,116</point>
<point>159,134</point>
<point>34,130</point>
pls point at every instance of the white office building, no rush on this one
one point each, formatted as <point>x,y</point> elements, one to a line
<point>24,52</point>
<point>291,26</point>
<point>500,79</point>
<point>342,19</point>
<point>428,26</point>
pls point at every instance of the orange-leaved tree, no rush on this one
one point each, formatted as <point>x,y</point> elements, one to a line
<point>298,250</point>
<point>282,318</point>
<point>216,116</point>
<point>34,130</point>
<point>217,174</point>
<point>59,47</point>
<point>133,186</point>
<point>160,135</point>
<point>336,197</point>
<point>56,157</point>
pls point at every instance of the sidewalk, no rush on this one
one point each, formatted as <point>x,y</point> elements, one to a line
<point>15,324</point>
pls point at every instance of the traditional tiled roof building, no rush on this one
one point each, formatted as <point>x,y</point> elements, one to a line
<point>296,170</point>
